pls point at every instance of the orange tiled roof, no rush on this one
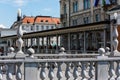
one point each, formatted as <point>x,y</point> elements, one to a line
<point>41,19</point>
<point>28,20</point>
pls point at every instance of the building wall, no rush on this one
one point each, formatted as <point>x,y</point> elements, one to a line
<point>85,15</point>
<point>71,17</point>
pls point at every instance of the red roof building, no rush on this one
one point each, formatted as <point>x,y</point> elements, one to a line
<point>38,23</point>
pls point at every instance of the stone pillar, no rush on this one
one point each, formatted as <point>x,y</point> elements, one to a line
<point>92,17</point>
<point>56,43</point>
<point>46,45</point>
<point>42,44</point>
<point>69,43</point>
<point>104,38</point>
<point>102,67</point>
<point>31,68</point>
<point>38,45</point>
<point>31,71</point>
<point>84,42</point>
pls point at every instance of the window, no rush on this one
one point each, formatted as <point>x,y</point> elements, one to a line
<point>41,20</point>
<point>74,22</point>
<point>97,17</point>
<point>47,27</point>
<point>65,9</point>
<point>86,4</point>
<point>52,27</point>
<point>113,1</point>
<point>42,27</point>
<point>37,28</point>
<point>86,20</point>
<point>64,24</point>
<point>46,21</point>
<point>31,28</point>
<point>75,6</point>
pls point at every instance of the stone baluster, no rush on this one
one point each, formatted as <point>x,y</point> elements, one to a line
<point>19,72</point>
<point>59,72</point>
<point>75,71</point>
<point>112,71</point>
<point>10,72</point>
<point>67,72</point>
<point>43,73</point>
<point>115,34</point>
<point>118,71</point>
<point>92,71</point>
<point>1,75</point>
<point>19,42</point>
<point>84,73</point>
<point>51,72</point>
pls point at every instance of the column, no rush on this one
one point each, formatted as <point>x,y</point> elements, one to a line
<point>38,45</point>
<point>24,45</point>
<point>104,38</point>
<point>69,43</point>
<point>46,44</point>
<point>84,43</point>
<point>27,42</point>
<point>92,14</point>
<point>31,42</point>
<point>56,44</point>
<point>42,44</point>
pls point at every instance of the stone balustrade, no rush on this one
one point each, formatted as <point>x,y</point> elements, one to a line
<point>62,67</point>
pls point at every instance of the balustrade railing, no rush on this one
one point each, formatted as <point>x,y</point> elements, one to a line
<point>60,69</point>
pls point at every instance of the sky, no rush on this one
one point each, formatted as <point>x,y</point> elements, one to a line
<point>9,8</point>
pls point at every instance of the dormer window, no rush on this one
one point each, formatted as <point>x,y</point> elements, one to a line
<point>28,21</point>
<point>46,21</point>
<point>58,22</point>
<point>41,20</point>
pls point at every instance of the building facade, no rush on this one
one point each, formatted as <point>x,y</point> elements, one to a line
<point>83,12</point>
<point>32,24</point>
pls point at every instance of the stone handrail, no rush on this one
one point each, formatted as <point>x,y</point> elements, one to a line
<point>60,69</point>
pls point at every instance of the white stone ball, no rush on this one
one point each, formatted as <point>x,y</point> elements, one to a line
<point>30,51</point>
<point>62,49</point>
<point>11,49</point>
<point>107,48</point>
<point>101,50</point>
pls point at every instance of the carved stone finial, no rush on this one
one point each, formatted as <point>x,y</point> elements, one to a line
<point>107,49</point>
<point>62,49</point>
<point>11,49</point>
<point>101,51</point>
<point>31,51</point>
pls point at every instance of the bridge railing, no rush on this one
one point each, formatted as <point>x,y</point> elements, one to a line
<point>62,67</point>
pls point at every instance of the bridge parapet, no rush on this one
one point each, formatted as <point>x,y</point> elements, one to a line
<point>62,67</point>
